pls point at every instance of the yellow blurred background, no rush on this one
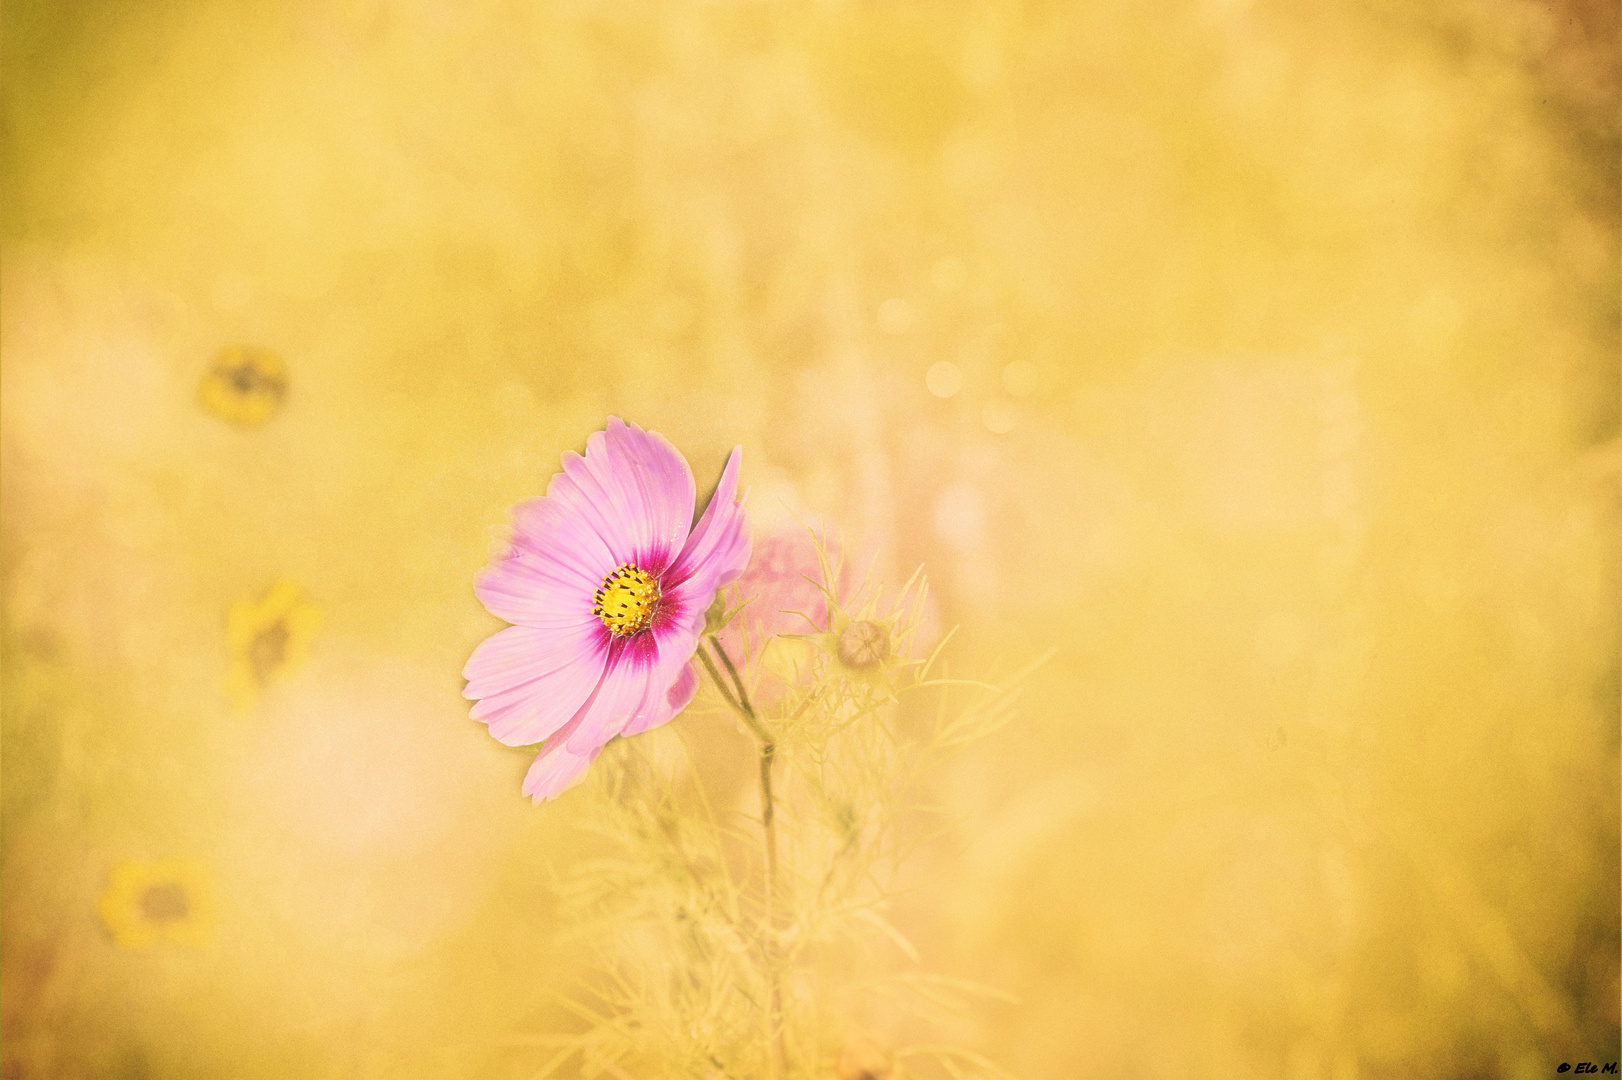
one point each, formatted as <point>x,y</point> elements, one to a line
<point>1260,359</point>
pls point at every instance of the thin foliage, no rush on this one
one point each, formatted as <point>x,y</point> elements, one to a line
<point>745,944</point>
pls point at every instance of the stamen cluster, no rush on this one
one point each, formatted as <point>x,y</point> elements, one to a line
<point>626,600</point>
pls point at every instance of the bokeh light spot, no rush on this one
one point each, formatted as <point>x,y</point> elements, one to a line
<point>949,274</point>
<point>999,416</point>
<point>944,379</point>
<point>1019,378</point>
<point>895,316</point>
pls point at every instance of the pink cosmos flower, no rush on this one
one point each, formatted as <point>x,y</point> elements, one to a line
<point>606,583</point>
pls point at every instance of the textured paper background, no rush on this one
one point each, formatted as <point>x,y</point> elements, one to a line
<point>1283,393</point>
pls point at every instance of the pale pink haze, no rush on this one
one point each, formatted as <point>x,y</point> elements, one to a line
<point>561,673</point>
<point>783,590</point>
<point>781,587</point>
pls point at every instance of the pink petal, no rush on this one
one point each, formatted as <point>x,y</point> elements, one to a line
<point>634,490</point>
<point>552,567</point>
<point>530,682</point>
<point>556,769</point>
<point>600,718</point>
<point>547,527</point>
<point>730,557</point>
<point>718,548</point>
<point>716,553</point>
<point>560,766</point>
<point>664,706</point>
<point>647,463</point>
<point>640,669</point>
<point>677,614</point>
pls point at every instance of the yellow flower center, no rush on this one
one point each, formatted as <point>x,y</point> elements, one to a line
<point>627,600</point>
<point>268,651</point>
<point>164,902</point>
<point>246,385</point>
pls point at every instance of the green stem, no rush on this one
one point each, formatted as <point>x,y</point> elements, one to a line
<point>739,702</point>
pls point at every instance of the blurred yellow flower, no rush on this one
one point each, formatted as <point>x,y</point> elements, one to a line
<point>170,899</point>
<point>268,641</point>
<point>245,386</point>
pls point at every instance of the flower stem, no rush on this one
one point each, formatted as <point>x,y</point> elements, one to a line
<point>738,698</point>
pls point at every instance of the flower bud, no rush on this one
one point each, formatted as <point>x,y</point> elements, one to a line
<point>863,644</point>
